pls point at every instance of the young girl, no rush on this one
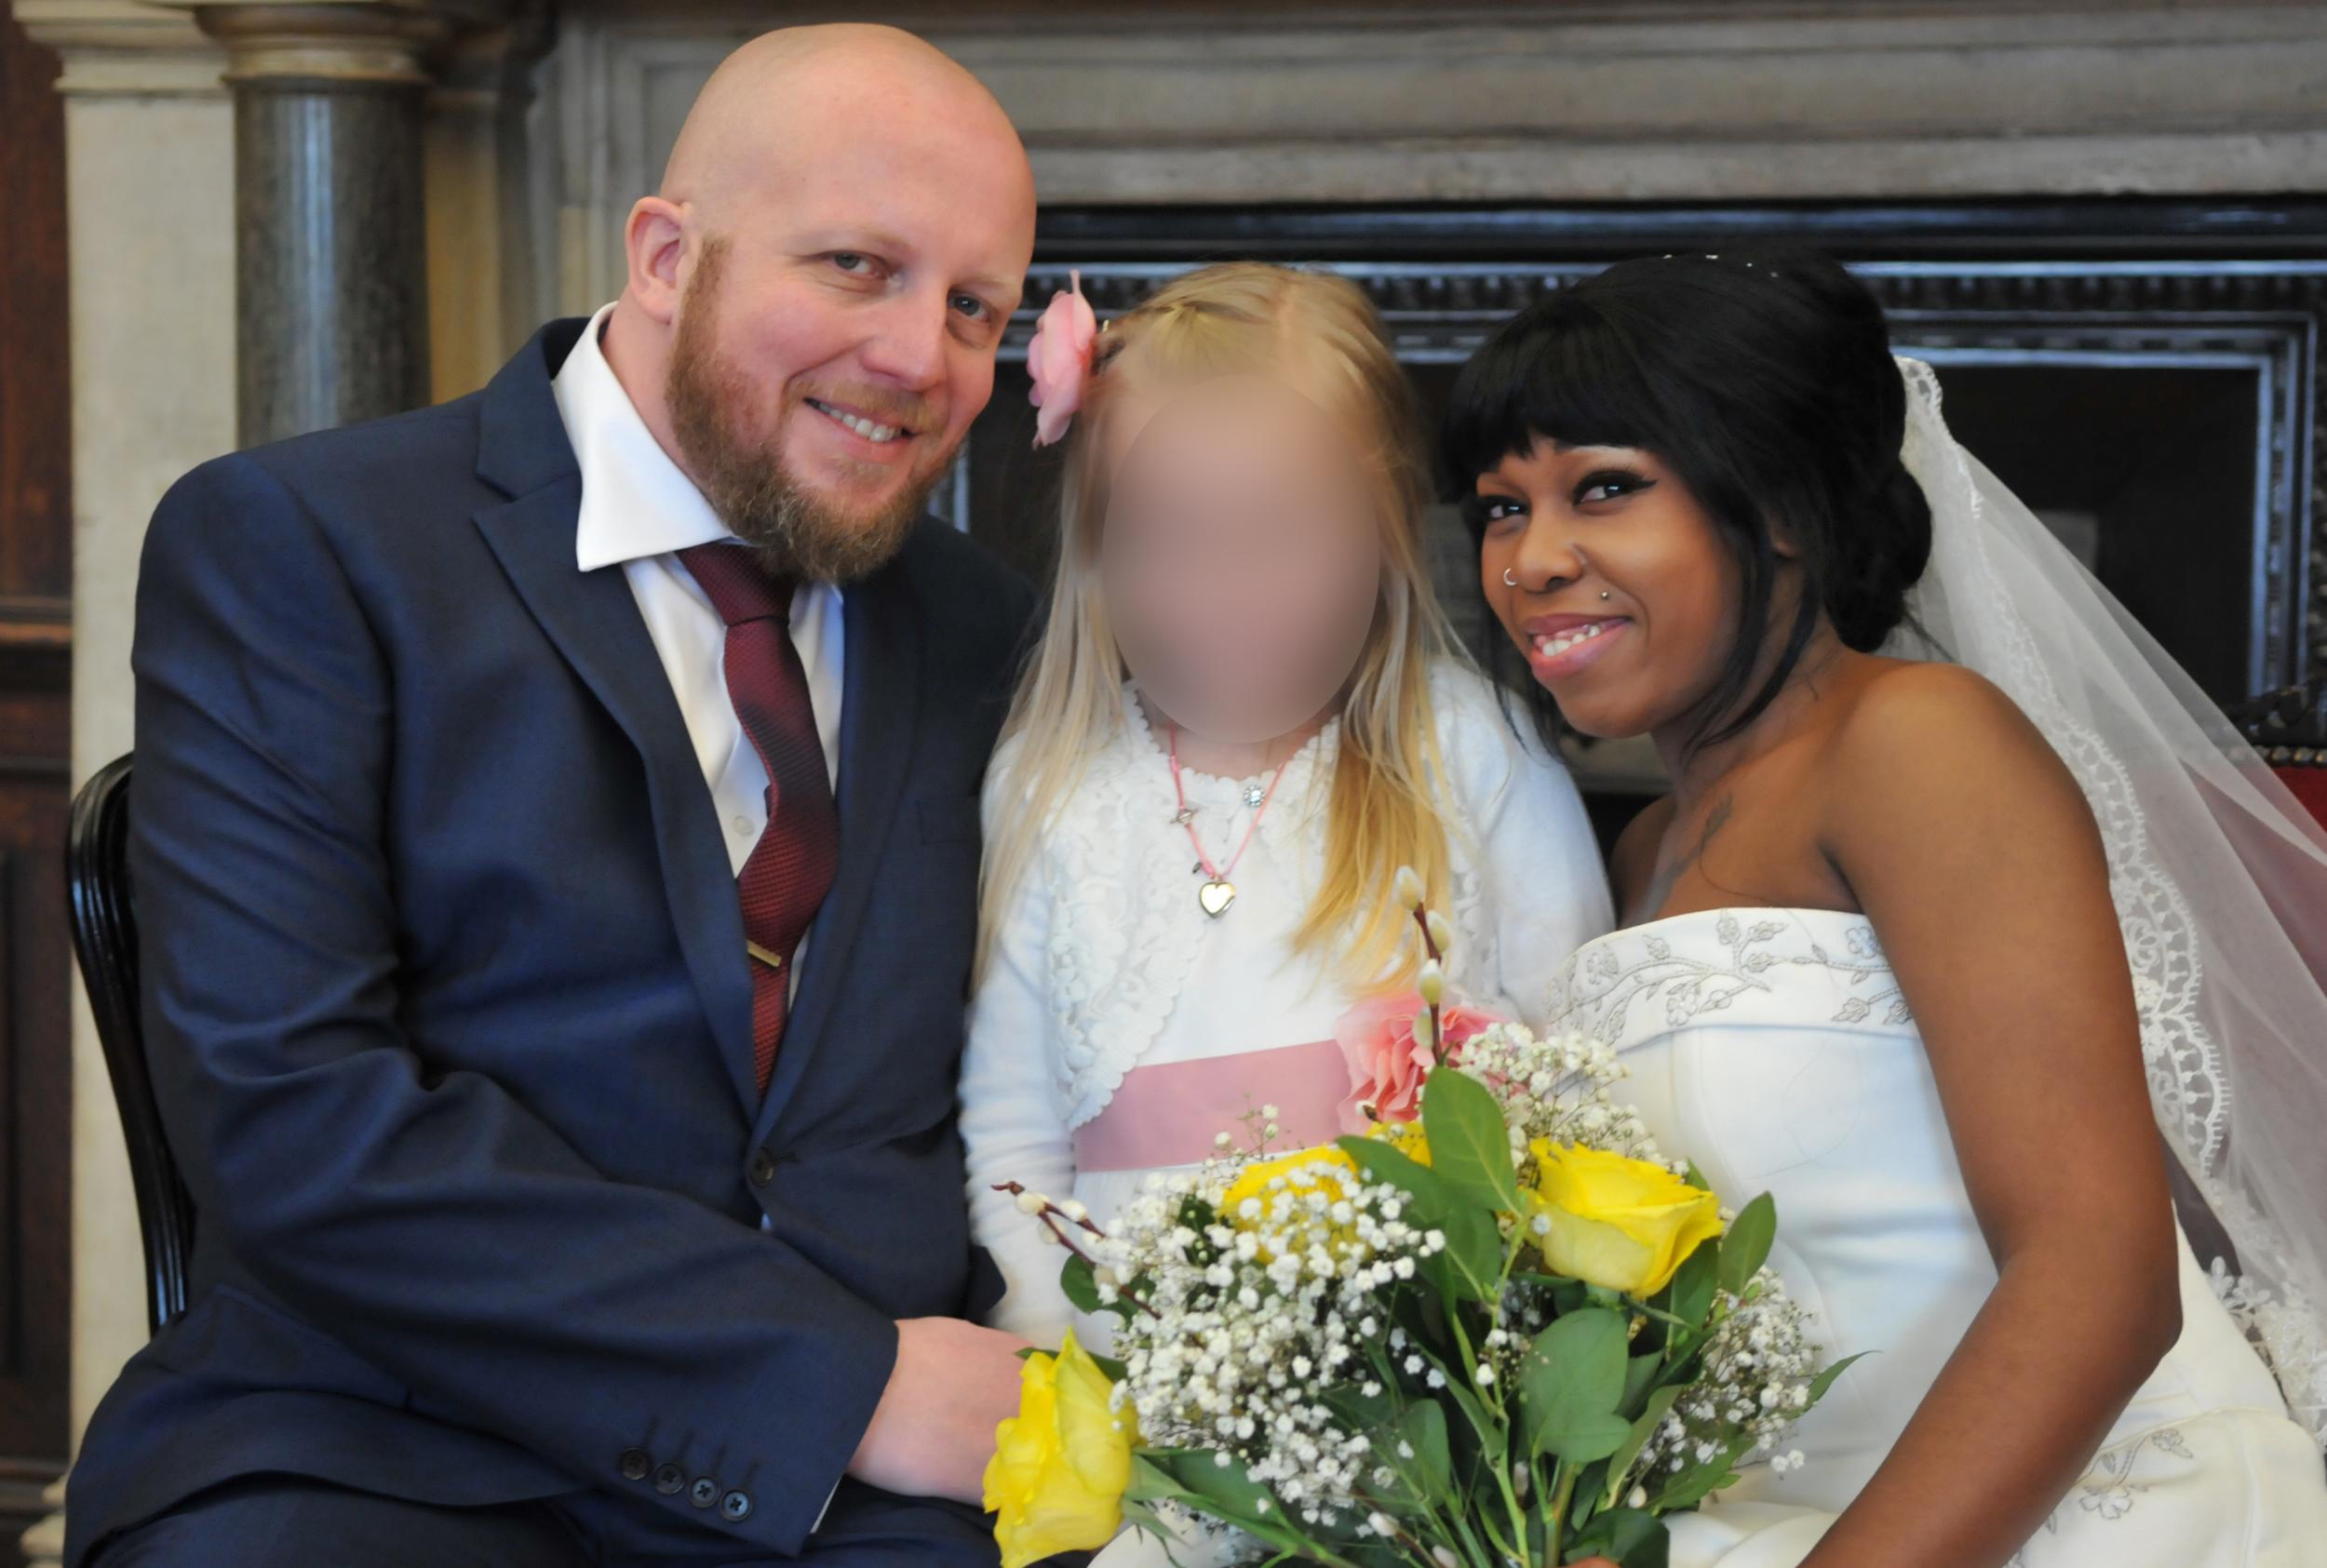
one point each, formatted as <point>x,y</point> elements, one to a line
<point>1181,911</point>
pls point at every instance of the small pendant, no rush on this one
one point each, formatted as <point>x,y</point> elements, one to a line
<point>1216,896</point>
<point>1185,815</point>
<point>1255,796</point>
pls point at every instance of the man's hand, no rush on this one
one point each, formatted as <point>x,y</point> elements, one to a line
<point>934,1430</point>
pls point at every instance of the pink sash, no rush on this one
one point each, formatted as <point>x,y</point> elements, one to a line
<point>1171,1114</point>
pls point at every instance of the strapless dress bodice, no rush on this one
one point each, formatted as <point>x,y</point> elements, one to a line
<point>1775,1049</point>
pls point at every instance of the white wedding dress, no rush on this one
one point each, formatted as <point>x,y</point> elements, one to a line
<point>1773,1049</point>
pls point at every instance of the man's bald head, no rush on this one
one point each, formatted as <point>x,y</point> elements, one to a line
<point>817,293</point>
<point>788,95</point>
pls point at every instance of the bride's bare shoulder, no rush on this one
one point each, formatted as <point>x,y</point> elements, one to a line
<point>1922,746</point>
<point>1898,711</point>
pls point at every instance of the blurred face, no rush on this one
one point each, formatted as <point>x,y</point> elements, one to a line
<point>1241,557</point>
<point>834,345</point>
<point>1625,602</point>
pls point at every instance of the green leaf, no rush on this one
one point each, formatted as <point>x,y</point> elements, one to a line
<point>1746,1247</point>
<point>1630,1537</point>
<point>1469,1148</point>
<point>1483,1429</point>
<point>1080,1283</point>
<point>1643,1427</point>
<point>1570,1383</point>
<point>1584,1437</point>
<point>1701,1481</point>
<point>1585,1500</point>
<point>1471,1265</point>
<point>1641,1373</point>
<point>1198,1217</point>
<point>1364,1411</point>
<point>1379,1161</point>
<point>1691,1291</point>
<point>1423,1429</point>
<point>1115,1370</point>
<point>1824,1380</point>
<point>1696,1178</point>
<point>1192,1478</point>
<point>1385,1420</point>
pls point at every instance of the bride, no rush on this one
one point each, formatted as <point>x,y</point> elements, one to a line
<point>1962,893</point>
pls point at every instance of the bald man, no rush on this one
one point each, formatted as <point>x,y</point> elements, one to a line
<point>555,832</point>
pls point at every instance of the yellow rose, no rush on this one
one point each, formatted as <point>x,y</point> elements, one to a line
<point>1060,1466</point>
<point>1405,1137</point>
<point>1253,1181</point>
<point>1622,1224</point>
<point>1286,1209</point>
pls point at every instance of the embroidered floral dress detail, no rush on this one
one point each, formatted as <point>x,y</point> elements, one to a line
<point>2110,1490</point>
<point>1597,989</point>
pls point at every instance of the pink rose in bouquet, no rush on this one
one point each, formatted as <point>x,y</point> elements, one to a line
<point>1387,1063</point>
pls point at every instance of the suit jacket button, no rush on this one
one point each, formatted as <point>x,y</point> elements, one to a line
<point>735,1507</point>
<point>762,1170</point>
<point>635,1463</point>
<point>669,1478</point>
<point>705,1491</point>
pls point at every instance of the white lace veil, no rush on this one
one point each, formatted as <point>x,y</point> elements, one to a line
<point>2219,877</point>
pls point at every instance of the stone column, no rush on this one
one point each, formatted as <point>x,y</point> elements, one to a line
<point>149,204</point>
<point>484,296</point>
<point>331,220</point>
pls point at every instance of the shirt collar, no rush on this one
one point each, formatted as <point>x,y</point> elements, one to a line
<point>636,502</point>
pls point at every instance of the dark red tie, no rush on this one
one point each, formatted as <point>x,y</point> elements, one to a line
<point>792,867</point>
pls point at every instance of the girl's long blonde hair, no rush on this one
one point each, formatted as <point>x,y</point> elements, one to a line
<point>1387,781</point>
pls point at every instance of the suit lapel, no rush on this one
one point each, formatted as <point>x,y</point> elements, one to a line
<point>878,715</point>
<point>593,621</point>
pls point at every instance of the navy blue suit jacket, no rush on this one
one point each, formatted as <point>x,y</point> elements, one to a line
<point>448,1007</point>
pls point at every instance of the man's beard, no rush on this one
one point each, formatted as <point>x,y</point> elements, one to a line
<point>796,532</point>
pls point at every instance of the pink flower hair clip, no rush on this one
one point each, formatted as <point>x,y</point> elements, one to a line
<point>1058,359</point>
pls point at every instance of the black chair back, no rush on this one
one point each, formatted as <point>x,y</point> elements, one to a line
<point>105,940</point>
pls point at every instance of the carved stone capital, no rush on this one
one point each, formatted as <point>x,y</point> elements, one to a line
<point>124,48</point>
<point>348,42</point>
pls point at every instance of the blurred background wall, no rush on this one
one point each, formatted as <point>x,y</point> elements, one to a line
<point>2105,221</point>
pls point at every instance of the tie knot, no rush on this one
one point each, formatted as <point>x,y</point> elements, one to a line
<point>739,588</point>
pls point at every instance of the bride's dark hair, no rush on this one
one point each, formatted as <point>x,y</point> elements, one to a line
<point>1765,380</point>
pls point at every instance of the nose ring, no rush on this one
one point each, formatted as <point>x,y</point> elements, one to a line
<point>1509,580</point>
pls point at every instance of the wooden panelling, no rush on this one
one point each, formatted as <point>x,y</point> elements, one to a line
<point>35,454</point>
<point>35,649</point>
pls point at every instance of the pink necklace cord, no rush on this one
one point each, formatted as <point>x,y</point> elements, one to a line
<point>1188,821</point>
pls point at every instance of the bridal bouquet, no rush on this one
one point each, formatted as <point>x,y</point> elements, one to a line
<point>1499,1329</point>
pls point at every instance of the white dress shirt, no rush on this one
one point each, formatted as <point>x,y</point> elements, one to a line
<point>639,510</point>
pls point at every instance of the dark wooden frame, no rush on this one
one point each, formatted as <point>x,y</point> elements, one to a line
<point>2149,282</point>
<point>35,680</point>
